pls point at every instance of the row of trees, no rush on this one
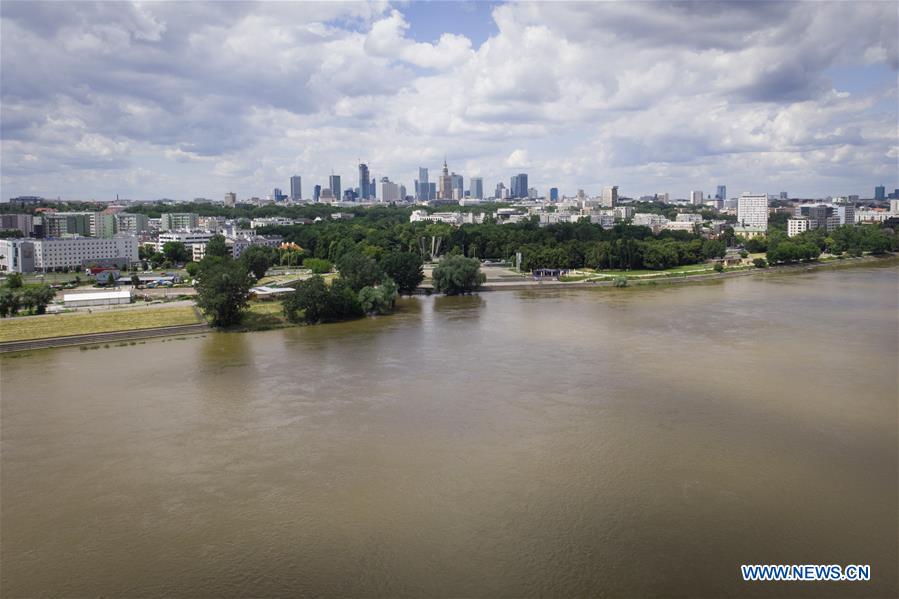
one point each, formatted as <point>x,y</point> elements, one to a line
<point>15,296</point>
<point>847,239</point>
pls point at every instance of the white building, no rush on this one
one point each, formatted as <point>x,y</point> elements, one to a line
<point>696,198</point>
<point>644,219</point>
<point>752,211</point>
<point>44,255</point>
<point>610,196</point>
<point>98,298</point>
<point>689,218</point>
<point>175,221</point>
<point>894,206</point>
<point>795,226</point>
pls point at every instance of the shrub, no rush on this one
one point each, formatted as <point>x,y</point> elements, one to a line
<point>760,263</point>
<point>620,282</point>
<point>719,267</point>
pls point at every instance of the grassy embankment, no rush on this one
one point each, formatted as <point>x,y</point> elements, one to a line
<point>106,321</point>
<point>263,316</point>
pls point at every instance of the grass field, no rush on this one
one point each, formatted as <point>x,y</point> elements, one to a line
<point>263,316</point>
<point>57,325</point>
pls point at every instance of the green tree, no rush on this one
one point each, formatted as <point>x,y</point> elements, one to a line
<point>135,281</point>
<point>223,290</point>
<point>719,267</point>
<point>760,263</point>
<point>318,266</point>
<point>192,269</point>
<point>457,274</point>
<point>358,271</point>
<point>14,280</point>
<point>175,251</point>
<point>314,301</point>
<point>406,269</point>
<point>380,299</point>
<point>217,248</point>
<point>10,302</point>
<point>37,298</point>
<point>257,260</point>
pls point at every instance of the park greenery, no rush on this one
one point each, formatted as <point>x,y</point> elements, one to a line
<point>457,275</point>
<point>16,296</point>
<point>223,289</point>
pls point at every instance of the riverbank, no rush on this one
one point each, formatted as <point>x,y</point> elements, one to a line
<point>636,279</point>
<point>122,326</point>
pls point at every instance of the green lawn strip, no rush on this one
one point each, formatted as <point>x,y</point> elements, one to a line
<point>104,321</point>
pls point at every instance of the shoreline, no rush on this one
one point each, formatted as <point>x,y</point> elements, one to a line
<point>134,334</point>
<point>697,278</point>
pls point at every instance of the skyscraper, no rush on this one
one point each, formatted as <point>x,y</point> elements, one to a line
<point>880,193</point>
<point>334,182</point>
<point>445,192</point>
<point>476,188</point>
<point>498,193</point>
<point>363,181</point>
<point>296,188</point>
<point>230,199</point>
<point>316,193</point>
<point>458,186</point>
<point>553,194</point>
<point>519,186</point>
<point>422,189</point>
<point>721,194</point>
<point>696,198</point>
<point>277,195</point>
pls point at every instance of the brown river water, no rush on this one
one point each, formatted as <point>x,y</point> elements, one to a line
<point>606,442</point>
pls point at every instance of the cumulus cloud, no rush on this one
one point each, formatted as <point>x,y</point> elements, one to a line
<point>200,98</point>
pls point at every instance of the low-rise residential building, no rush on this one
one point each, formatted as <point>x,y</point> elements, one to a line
<point>45,255</point>
<point>680,225</point>
<point>645,219</point>
<point>749,232</point>
<point>689,217</point>
<point>450,218</point>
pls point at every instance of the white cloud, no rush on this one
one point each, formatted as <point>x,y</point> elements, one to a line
<point>200,98</point>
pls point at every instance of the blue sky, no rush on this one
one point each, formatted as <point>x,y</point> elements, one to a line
<point>193,99</point>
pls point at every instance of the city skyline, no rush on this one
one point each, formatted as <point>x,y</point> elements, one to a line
<point>141,101</point>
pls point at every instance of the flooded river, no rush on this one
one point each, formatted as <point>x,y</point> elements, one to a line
<point>598,442</point>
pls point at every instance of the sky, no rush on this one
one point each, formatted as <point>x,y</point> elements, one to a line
<point>180,100</point>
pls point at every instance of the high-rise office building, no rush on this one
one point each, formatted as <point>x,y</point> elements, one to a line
<point>553,194</point>
<point>277,195</point>
<point>363,181</point>
<point>721,194</point>
<point>390,191</point>
<point>609,196</point>
<point>880,193</point>
<point>519,186</point>
<point>296,188</point>
<point>696,198</point>
<point>373,188</point>
<point>316,193</point>
<point>458,186</point>
<point>752,210</point>
<point>334,182</point>
<point>500,189</point>
<point>422,188</point>
<point>432,190</point>
<point>230,199</point>
<point>445,192</point>
<point>476,188</point>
